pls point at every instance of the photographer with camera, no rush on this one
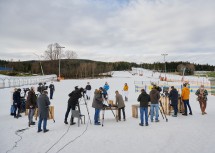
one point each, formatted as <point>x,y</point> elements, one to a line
<point>173,96</point>
<point>154,97</point>
<point>73,102</point>
<point>42,87</point>
<point>31,104</point>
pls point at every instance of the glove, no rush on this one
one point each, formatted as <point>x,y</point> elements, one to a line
<point>15,103</point>
<point>31,106</point>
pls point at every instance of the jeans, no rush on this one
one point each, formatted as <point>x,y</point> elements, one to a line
<point>186,103</point>
<point>44,120</point>
<point>96,116</point>
<point>144,111</point>
<point>31,115</point>
<point>154,107</point>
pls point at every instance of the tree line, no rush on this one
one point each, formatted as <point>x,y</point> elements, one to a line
<point>81,68</point>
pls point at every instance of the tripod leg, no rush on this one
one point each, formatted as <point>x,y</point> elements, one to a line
<point>163,111</point>
<point>103,116</point>
<point>87,110</point>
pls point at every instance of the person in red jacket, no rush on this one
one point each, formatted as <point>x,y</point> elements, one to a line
<point>185,96</point>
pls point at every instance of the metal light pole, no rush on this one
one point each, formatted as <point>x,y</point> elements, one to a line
<point>40,63</point>
<point>164,55</point>
<point>59,58</point>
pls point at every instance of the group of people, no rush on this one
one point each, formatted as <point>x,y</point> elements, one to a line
<point>100,96</point>
<point>154,97</point>
<point>33,101</point>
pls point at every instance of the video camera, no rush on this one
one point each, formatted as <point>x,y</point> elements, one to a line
<point>26,89</point>
<point>42,87</point>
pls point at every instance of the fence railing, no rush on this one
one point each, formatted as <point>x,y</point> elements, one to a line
<point>7,82</point>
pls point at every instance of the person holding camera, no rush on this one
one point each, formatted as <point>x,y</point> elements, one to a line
<point>17,103</point>
<point>43,110</point>
<point>173,96</point>
<point>154,98</point>
<point>31,104</point>
<point>98,105</point>
<point>72,103</point>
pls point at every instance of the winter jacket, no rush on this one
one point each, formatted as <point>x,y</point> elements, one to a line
<point>88,87</point>
<point>154,96</point>
<point>106,87</point>
<point>97,100</point>
<point>74,96</point>
<point>16,98</point>
<point>202,97</point>
<point>119,101</point>
<point>52,88</point>
<point>185,94</point>
<point>43,106</point>
<point>125,88</point>
<point>173,96</point>
<point>31,100</point>
<point>144,99</point>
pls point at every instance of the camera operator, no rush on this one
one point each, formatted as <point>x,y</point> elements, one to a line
<point>173,96</point>
<point>72,103</point>
<point>154,97</point>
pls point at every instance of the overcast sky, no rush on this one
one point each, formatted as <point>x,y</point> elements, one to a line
<point>110,30</point>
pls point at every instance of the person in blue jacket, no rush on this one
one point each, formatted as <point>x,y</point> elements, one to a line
<point>105,89</point>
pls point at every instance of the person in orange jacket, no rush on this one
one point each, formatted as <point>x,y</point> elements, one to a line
<point>125,90</point>
<point>185,95</point>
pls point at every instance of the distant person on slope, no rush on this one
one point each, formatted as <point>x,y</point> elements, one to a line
<point>185,95</point>
<point>144,99</point>
<point>202,98</point>
<point>88,90</point>
<point>125,90</point>
<point>52,89</point>
<point>173,96</point>
<point>120,105</point>
<point>31,104</point>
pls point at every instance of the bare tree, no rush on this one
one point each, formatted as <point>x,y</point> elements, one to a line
<point>53,52</point>
<point>69,54</point>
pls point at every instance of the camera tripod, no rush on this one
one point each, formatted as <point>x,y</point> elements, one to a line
<point>109,107</point>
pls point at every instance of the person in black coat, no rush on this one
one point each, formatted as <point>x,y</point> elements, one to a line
<point>173,96</point>
<point>72,103</point>
<point>144,99</point>
<point>52,89</point>
<point>17,102</point>
<point>88,90</point>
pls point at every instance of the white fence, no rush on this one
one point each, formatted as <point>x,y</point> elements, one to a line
<point>7,82</point>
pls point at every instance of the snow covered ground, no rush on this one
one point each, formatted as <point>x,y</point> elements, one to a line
<point>191,134</point>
